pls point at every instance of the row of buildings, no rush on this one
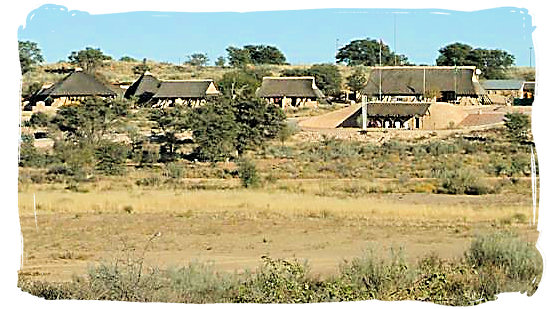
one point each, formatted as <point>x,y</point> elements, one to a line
<point>398,97</point>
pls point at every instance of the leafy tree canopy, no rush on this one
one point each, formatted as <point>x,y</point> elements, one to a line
<point>127,59</point>
<point>30,55</point>
<point>367,52</point>
<point>518,126</point>
<point>92,120</point>
<point>255,54</point>
<point>88,58</point>
<point>358,79</point>
<point>197,60</point>
<point>220,62</point>
<point>242,83</point>
<point>225,128</point>
<point>493,63</point>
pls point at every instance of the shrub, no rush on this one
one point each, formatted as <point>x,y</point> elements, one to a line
<point>517,126</point>
<point>173,170</point>
<point>39,120</point>
<point>247,173</point>
<point>110,158</point>
<point>278,281</point>
<point>462,181</point>
<point>287,130</point>
<point>518,259</point>
<point>374,276</point>
<point>199,283</point>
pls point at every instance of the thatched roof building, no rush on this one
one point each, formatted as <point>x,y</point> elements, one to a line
<point>290,87</point>
<point>420,81</point>
<point>186,89</point>
<point>145,87</point>
<point>76,85</point>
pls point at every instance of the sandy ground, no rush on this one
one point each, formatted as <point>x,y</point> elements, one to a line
<point>67,244</point>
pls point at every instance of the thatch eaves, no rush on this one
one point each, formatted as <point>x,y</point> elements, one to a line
<point>298,87</point>
<point>397,109</point>
<point>77,84</point>
<point>186,89</point>
<point>416,81</point>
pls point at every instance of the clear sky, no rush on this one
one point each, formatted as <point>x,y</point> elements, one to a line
<point>304,36</point>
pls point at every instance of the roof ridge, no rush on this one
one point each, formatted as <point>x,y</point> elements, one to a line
<point>185,80</point>
<point>289,77</point>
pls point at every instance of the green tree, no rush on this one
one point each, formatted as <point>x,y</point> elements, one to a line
<point>493,63</point>
<point>127,59</point>
<point>258,121</point>
<point>197,60</point>
<point>242,83</point>
<point>518,126</point>
<point>111,157</point>
<point>238,57</point>
<point>88,58</point>
<point>30,55</point>
<point>169,122</point>
<point>215,129</point>
<point>91,121</point>
<point>367,52</point>
<point>357,80</point>
<point>224,128</point>
<point>262,54</point>
<point>220,62</point>
<point>454,54</point>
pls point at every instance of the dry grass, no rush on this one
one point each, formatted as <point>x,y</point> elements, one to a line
<point>415,207</point>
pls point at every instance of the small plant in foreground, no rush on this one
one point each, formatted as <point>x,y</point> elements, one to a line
<point>247,173</point>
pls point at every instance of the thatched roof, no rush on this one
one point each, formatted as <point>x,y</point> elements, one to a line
<point>502,84</point>
<point>410,80</point>
<point>342,116</point>
<point>77,84</point>
<point>299,87</point>
<point>397,109</point>
<point>146,84</point>
<point>191,89</point>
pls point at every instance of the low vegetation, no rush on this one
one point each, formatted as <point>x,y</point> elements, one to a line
<point>493,264</point>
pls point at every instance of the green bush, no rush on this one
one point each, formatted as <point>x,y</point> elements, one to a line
<point>518,126</point>
<point>278,281</point>
<point>462,181</point>
<point>39,120</point>
<point>518,259</point>
<point>111,157</point>
<point>247,173</point>
<point>374,276</point>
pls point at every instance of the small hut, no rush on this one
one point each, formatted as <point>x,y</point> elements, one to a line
<point>298,91</point>
<point>74,88</point>
<point>144,88</point>
<point>187,92</point>
<point>503,91</point>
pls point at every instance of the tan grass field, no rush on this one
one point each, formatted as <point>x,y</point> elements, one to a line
<point>234,228</point>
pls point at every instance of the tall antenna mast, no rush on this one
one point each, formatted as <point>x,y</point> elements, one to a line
<point>380,72</point>
<point>395,38</point>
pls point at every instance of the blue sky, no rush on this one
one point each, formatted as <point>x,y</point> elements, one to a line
<point>304,36</point>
